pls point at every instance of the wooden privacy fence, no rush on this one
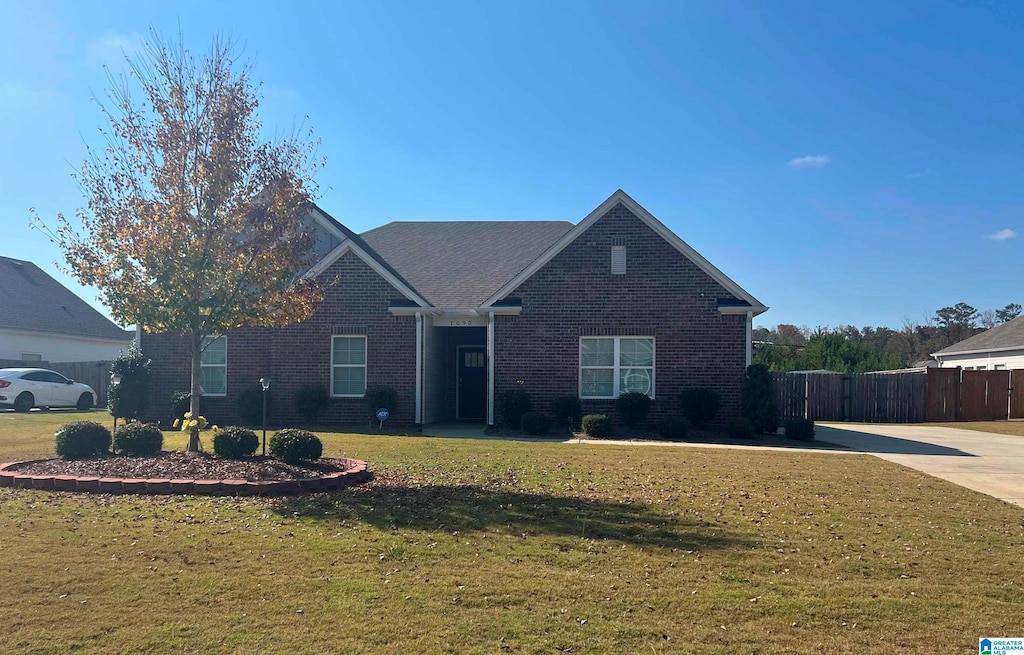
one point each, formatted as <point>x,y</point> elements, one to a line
<point>940,394</point>
<point>95,374</point>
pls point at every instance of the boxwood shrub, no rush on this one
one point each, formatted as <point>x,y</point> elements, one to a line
<point>700,405</point>
<point>598,426</point>
<point>378,397</point>
<point>234,442</point>
<point>79,439</point>
<point>739,428</point>
<point>512,404</point>
<point>535,423</point>
<point>295,446</point>
<point>632,408</point>
<point>138,439</point>
<point>800,429</point>
<point>673,428</point>
<point>310,400</point>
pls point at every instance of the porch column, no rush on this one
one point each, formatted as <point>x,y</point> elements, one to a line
<point>419,369</point>
<point>490,368</point>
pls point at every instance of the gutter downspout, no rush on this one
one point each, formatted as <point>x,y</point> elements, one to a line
<point>490,368</point>
<point>419,370</point>
<point>750,332</point>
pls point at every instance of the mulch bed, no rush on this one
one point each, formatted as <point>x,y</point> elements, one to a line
<point>183,466</point>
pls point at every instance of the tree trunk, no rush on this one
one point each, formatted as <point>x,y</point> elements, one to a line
<point>197,353</point>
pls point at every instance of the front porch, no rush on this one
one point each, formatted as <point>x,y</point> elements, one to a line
<point>454,373</point>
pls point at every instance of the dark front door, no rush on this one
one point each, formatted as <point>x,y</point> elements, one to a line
<point>472,383</point>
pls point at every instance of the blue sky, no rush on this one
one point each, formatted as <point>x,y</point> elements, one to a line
<point>847,163</point>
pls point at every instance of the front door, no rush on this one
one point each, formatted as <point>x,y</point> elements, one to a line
<point>472,383</point>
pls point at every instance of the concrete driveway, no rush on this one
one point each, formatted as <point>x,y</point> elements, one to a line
<point>990,463</point>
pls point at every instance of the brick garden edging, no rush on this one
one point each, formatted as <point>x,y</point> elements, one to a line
<point>356,473</point>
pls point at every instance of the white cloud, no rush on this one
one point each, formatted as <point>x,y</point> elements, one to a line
<point>925,173</point>
<point>1002,235</point>
<point>810,161</point>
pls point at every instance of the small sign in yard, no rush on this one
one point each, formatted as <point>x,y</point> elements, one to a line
<point>382,415</point>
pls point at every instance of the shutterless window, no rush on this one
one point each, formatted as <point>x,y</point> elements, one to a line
<point>612,366</point>
<point>999,367</point>
<point>213,367</point>
<point>348,366</point>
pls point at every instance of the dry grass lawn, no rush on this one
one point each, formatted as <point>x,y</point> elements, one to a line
<point>465,546</point>
<point>1015,427</point>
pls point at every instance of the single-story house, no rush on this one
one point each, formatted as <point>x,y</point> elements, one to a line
<point>451,314</point>
<point>996,349</point>
<point>43,321</point>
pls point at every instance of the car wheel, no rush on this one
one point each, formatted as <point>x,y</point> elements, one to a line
<point>84,402</point>
<point>24,402</point>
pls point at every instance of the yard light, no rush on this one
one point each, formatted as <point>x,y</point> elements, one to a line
<point>115,379</point>
<point>265,383</point>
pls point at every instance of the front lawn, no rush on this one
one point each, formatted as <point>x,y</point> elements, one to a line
<point>467,546</point>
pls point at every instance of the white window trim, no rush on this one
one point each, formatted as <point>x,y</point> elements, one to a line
<point>365,365</point>
<point>223,366</point>
<point>615,366</point>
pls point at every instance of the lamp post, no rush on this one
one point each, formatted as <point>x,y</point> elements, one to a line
<point>265,383</point>
<point>115,379</point>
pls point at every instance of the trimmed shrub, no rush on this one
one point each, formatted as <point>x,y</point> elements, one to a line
<point>567,412</point>
<point>632,407</point>
<point>128,398</point>
<point>235,442</point>
<point>800,429</point>
<point>535,423</point>
<point>180,401</point>
<point>250,404</point>
<point>310,400</point>
<point>598,426</point>
<point>79,439</point>
<point>512,404</point>
<point>700,405</point>
<point>757,400</point>
<point>138,439</point>
<point>673,428</point>
<point>386,397</point>
<point>739,428</point>
<point>295,446</point>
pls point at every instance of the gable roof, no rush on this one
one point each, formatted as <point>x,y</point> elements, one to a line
<point>32,301</point>
<point>460,264</point>
<point>1008,336</point>
<point>620,196</point>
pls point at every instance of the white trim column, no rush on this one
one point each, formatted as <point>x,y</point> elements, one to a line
<point>490,368</point>
<point>419,369</point>
<point>750,336</point>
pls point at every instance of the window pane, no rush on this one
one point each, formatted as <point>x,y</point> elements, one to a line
<point>349,350</point>
<point>598,382</point>
<point>597,352</point>
<point>636,352</point>
<point>636,379</point>
<point>213,379</point>
<point>349,381</point>
<point>216,351</point>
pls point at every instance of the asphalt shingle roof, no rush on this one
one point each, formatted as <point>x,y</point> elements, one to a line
<point>459,264</point>
<point>1007,335</point>
<point>32,301</point>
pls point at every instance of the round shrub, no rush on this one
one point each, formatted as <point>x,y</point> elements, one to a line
<point>130,397</point>
<point>567,412</point>
<point>235,442</point>
<point>673,428</point>
<point>700,405</point>
<point>800,429</point>
<point>250,404</point>
<point>79,439</point>
<point>632,407</point>
<point>378,397</point>
<point>598,426</point>
<point>739,428</point>
<point>294,446</point>
<point>757,400</point>
<point>512,404</point>
<point>535,423</point>
<point>138,439</point>
<point>310,400</point>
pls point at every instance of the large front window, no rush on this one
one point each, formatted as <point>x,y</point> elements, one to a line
<point>213,366</point>
<point>348,367</point>
<point>612,366</point>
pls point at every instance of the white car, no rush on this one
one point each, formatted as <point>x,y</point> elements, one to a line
<point>25,388</point>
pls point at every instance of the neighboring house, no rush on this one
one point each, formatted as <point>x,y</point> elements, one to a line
<point>996,349</point>
<point>43,321</point>
<point>451,314</point>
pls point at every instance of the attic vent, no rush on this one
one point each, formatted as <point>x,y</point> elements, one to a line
<point>618,260</point>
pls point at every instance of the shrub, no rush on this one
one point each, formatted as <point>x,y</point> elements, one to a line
<point>567,412</point>
<point>386,397</point>
<point>128,398</point>
<point>800,429</point>
<point>235,442</point>
<point>310,400</point>
<point>294,446</point>
<point>250,404</point>
<point>632,407</point>
<point>757,400</point>
<point>739,428</point>
<point>180,401</point>
<point>598,426</point>
<point>512,404</point>
<point>673,428</point>
<point>535,423</point>
<point>138,439</point>
<point>700,405</point>
<point>79,439</point>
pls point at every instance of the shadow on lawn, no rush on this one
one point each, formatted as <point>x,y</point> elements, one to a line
<point>473,508</point>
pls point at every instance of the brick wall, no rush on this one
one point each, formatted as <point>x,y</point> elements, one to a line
<point>663,295</point>
<point>356,303</point>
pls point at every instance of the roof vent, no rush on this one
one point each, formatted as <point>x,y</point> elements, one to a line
<point>618,260</point>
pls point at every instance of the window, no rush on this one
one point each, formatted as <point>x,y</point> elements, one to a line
<point>981,368</point>
<point>31,357</point>
<point>611,366</point>
<point>999,367</point>
<point>348,366</point>
<point>618,260</point>
<point>213,367</point>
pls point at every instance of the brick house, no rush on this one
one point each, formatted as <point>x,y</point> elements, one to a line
<point>450,314</point>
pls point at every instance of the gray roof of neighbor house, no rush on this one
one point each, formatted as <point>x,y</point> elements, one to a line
<point>1008,336</point>
<point>32,301</point>
<point>460,264</point>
